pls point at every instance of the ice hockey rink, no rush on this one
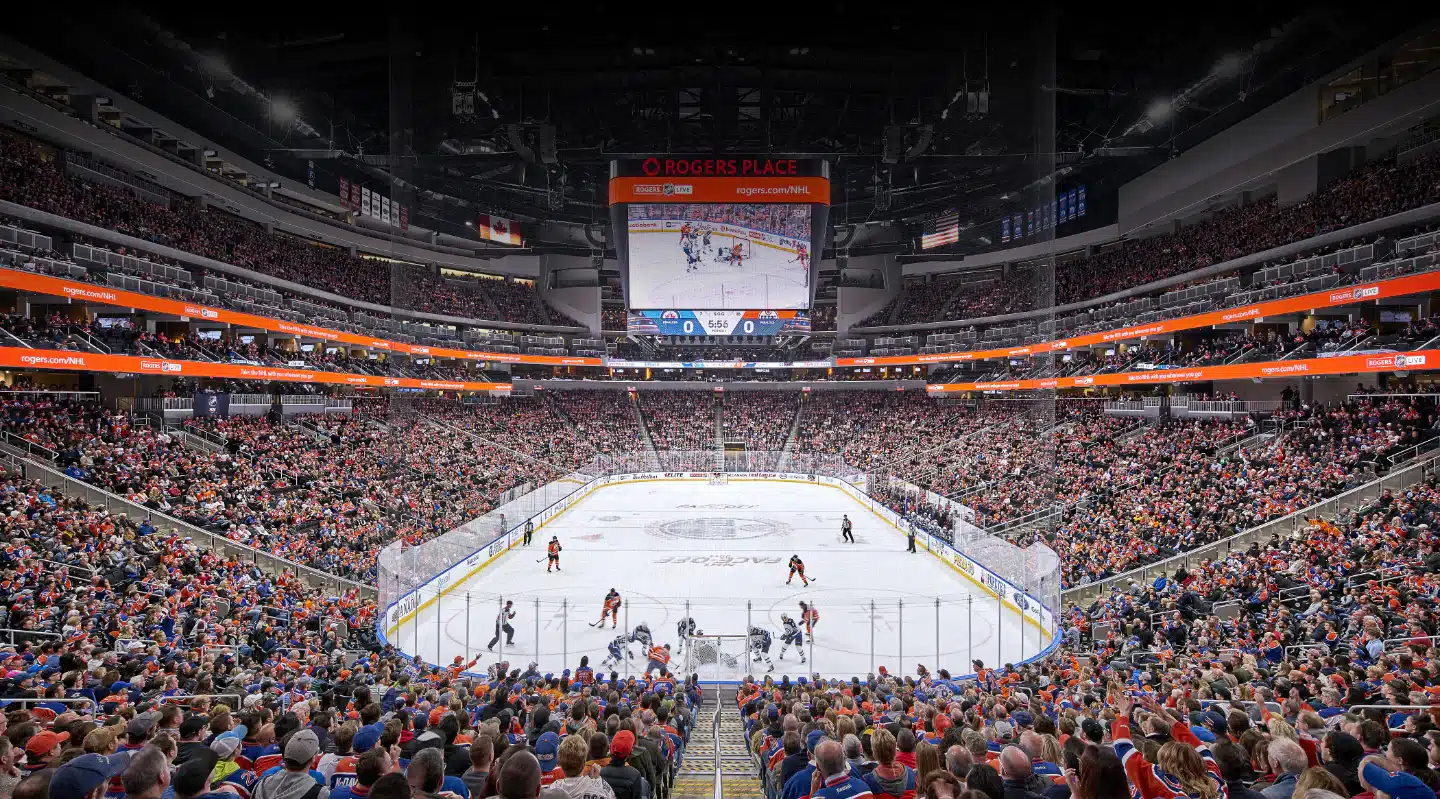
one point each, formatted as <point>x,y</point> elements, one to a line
<point>721,551</point>
<point>769,277</point>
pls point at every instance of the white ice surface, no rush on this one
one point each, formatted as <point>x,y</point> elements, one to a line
<point>724,549</point>
<point>768,277</point>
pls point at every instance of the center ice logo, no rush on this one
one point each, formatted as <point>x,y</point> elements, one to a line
<point>714,529</point>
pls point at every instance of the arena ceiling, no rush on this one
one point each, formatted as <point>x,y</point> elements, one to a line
<point>378,94</point>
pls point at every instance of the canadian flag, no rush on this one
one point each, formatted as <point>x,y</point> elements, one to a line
<point>494,228</point>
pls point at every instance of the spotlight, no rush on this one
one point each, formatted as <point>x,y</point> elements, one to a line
<point>1230,65</point>
<point>282,110</point>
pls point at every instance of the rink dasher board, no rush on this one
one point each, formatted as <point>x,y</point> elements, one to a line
<point>1030,609</point>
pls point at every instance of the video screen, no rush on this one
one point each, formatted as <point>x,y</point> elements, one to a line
<point>708,256</point>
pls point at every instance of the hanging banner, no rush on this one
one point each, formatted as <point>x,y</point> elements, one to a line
<point>211,405</point>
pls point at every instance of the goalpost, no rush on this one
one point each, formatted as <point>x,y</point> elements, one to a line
<point>724,658</point>
<point>719,479</point>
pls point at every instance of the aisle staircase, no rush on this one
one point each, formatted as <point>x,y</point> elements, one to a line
<point>644,427</point>
<point>788,451</point>
<point>718,441</point>
<point>696,779</point>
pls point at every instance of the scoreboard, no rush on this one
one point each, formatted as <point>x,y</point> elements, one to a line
<point>719,246</point>
<point>673,322</point>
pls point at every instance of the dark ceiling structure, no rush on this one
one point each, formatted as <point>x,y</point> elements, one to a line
<point>518,115</point>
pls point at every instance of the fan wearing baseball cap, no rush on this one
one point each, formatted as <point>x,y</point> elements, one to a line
<point>86,776</point>
<point>295,781</point>
<point>546,749</point>
<point>42,748</point>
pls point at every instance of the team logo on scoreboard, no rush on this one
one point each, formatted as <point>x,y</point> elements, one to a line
<point>670,316</point>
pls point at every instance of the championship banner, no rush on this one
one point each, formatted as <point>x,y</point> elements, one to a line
<point>717,323</point>
<point>345,194</point>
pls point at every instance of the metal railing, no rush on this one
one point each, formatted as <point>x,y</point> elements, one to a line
<point>74,700</point>
<point>10,634</point>
<point>715,724</point>
<point>29,447</point>
<point>212,697</point>
<point>1408,475</point>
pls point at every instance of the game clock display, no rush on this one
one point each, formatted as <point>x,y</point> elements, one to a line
<point>717,323</point>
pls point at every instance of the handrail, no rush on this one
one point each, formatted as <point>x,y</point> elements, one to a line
<point>71,700</point>
<point>719,788</point>
<point>1140,573</point>
<point>214,540</point>
<point>1407,640</point>
<point>187,697</point>
<point>1390,707</point>
<point>1412,451</point>
<point>41,633</point>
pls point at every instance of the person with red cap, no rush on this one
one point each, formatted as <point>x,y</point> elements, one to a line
<point>42,748</point>
<point>623,779</point>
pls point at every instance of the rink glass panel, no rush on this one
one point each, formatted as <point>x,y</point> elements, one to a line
<point>1014,620</point>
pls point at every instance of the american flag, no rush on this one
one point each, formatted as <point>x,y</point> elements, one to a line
<point>943,229</point>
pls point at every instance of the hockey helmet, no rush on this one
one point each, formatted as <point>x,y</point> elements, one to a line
<point>784,617</point>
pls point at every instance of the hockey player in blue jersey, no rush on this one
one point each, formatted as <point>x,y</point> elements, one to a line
<point>760,640</point>
<point>619,652</point>
<point>683,630</point>
<point>641,635</point>
<point>692,258</point>
<point>792,635</point>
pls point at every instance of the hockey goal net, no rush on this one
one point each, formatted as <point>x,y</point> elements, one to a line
<point>724,658</point>
<point>719,479</point>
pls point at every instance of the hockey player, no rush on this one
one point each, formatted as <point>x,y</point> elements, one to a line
<point>692,258</point>
<point>657,658</point>
<point>611,608</point>
<point>553,552</point>
<point>802,254</point>
<point>809,617</point>
<point>617,652</point>
<point>847,530</point>
<point>683,630</point>
<point>705,246</point>
<point>760,640</point>
<point>641,635</point>
<point>791,635</point>
<point>737,253</point>
<point>797,566</point>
